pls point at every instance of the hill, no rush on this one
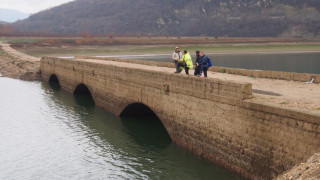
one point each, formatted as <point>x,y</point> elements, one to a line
<point>3,23</point>
<point>9,15</point>
<point>235,18</point>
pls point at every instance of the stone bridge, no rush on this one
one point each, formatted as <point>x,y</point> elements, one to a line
<point>215,119</point>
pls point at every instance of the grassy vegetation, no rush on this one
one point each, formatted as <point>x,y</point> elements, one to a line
<point>223,70</point>
<point>19,40</point>
<point>284,103</point>
<point>3,53</point>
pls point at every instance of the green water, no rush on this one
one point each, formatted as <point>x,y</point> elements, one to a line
<point>289,62</point>
<point>47,133</point>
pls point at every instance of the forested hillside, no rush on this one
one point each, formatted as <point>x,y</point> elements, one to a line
<point>240,18</point>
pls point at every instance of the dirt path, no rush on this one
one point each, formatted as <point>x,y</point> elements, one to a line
<point>288,94</point>
<point>17,65</point>
<point>8,49</point>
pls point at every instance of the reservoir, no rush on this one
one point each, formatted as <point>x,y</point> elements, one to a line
<point>47,133</point>
<point>290,62</point>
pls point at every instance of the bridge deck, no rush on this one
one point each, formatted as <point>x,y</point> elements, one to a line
<point>288,94</point>
<point>25,57</point>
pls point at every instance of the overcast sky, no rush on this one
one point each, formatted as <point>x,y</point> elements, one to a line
<point>30,6</point>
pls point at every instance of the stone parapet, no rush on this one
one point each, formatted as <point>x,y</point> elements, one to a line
<point>290,76</point>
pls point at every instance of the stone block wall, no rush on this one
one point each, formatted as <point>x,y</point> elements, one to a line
<point>214,119</point>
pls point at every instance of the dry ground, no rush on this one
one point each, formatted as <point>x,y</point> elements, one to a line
<point>17,65</point>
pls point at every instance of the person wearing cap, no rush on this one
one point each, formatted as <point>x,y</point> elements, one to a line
<point>176,56</point>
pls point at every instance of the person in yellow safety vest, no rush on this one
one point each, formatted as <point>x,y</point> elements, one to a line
<point>186,62</point>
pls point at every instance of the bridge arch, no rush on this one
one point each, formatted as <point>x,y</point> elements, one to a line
<point>53,79</point>
<point>144,113</point>
<point>137,109</point>
<point>54,82</point>
<point>82,89</point>
<point>84,95</point>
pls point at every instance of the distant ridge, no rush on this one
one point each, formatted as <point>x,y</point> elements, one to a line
<point>3,23</point>
<point>234,18</point>
<point>10,16</point>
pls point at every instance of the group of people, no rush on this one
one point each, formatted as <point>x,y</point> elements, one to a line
<point>184,61</point>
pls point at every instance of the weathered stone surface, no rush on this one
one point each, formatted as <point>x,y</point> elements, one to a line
<point>212,118</point>
<point>290,76</point>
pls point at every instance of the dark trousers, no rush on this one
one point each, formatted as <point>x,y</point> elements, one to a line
<point>178,65</point>
<point>186,69</point>
<point>197,70</point>
<point>204,69</point>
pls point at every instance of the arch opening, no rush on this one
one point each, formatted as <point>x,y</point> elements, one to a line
<point>54,82</point>
<point>83,96</point>
<point>138,110</point>
<point>145,126</point>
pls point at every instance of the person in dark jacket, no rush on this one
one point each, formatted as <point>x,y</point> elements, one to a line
<point>203,65</point>
<point>197,68</point>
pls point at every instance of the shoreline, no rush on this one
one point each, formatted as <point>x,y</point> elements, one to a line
<point>102,51</point>
<point>65,47</point>
<point>14,64</point>
<point>210,53</point>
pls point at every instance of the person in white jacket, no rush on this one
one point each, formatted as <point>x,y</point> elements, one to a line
<point>176,56</point>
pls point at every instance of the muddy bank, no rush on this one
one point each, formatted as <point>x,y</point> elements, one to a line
<point>15,65</point>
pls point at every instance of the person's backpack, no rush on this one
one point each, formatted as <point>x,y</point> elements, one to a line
<point>209,62</point>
